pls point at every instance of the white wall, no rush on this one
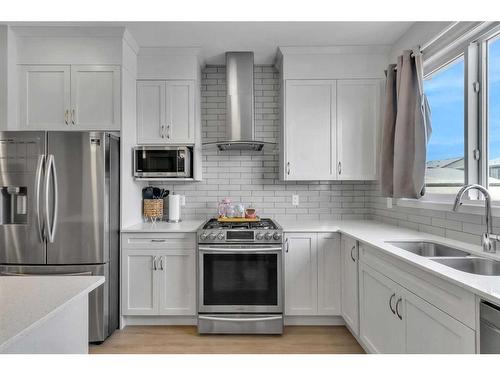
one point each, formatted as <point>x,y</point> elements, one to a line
<point>418,34</point>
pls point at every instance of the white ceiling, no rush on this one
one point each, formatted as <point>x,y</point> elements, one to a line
<point>263,38</point>
<point>215,38</point>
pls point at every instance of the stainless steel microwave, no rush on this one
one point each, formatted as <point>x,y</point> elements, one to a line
<point>163,162</point>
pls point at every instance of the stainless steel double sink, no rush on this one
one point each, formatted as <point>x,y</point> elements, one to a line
<point>451,257</point>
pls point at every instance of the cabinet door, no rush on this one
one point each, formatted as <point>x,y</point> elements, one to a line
<point>44,97</point>
<point>139,290</point>
<point>151,120</point>
<point>349,293</point>
<point>380,328</point>
<point>309,130</point>
<point>329,274</point>
<point>358,119</point>
<point>431,331</point>
<point>180,112</point>
<point>95,97</point>
<point>301,281</point>
<point>177,282</point>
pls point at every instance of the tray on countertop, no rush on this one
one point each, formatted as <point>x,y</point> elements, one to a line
<point>237,219</point>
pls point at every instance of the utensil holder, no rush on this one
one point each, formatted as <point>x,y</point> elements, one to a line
<point>152,209</point>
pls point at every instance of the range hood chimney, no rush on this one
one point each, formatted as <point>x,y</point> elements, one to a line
<point>240,122</point>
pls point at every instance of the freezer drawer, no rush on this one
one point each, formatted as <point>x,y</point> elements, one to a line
<point>99,299</point>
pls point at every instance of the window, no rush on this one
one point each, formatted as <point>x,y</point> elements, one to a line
<point>446,148</point>
<point>493,90</point>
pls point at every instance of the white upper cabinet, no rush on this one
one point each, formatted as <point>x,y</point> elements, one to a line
<point>69,97</point>
<point>331,105</point>
<point>309,134</point>
<point>330,129</point>
<point>358,119</point>
<point>166,111</point>
<point>44,95</point>
<point>150,111</point>
<point>95,97</point>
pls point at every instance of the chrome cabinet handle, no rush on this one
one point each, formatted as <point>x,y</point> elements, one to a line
<point>287,246</point>
<point>162,131</point>
<point>288,168</point>
<point>157,240</point>
<point>39,167</point>
<point>340,167</point>
<point>73,116</point>
<point>352,257</point>
<point>390,303</point>
<point>168,131</point>
<point>161,263</point>
<point>51,170</point>
<point>154,264</point>
<point>66,115</point>
<point>397,309</point>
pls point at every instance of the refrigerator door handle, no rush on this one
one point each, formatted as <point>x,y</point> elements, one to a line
<point>39,171</point>
<point>51,171</point>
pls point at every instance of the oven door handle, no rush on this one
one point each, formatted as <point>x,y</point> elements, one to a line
<point>216,318</point>
<point>236,250</point>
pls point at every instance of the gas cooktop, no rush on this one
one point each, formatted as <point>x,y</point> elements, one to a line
<point>262,224</point>
<point>263,231</point>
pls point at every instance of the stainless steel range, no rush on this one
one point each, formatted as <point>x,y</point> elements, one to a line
<point>240,277</point>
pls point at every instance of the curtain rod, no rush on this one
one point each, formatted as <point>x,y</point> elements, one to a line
<point>434,39</point>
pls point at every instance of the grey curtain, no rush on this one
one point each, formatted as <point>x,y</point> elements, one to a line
<point>406,129</point>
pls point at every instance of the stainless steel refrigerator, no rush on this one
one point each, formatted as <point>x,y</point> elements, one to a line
<point>59,212</point>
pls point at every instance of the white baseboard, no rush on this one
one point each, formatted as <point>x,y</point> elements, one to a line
<point>145,320</point>
<point>314,321</point>
<point>192,320</point>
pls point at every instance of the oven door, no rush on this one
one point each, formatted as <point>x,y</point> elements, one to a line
<point>151,161</point>
<point>240,279</point>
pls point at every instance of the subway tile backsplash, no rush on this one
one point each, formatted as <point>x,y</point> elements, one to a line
<point>252,178</point>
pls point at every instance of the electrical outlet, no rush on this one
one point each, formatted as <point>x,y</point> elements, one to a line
<point>295,200</point>
<point>389,202</point>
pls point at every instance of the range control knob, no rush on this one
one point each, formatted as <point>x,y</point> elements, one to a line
<point>220,236</point>
<point>277,236</point>
<point>203,236</point>
<point>268,236</point>
<point>259,236</point>
<point>212,236</point>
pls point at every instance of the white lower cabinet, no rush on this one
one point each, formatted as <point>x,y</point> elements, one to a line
<point>349,292</point>
<point>394,320</point>
<point>158,276</point>
<point>139,286</point>
<point>177,286</point>
<point>312,274</point>
<point>381,330</point>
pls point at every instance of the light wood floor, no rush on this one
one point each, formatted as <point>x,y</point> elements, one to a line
<point>185,340</point>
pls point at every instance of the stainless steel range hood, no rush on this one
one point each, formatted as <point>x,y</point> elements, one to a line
<point>240,122</point>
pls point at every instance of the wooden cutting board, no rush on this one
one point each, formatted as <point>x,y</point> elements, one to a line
<point>237,219</point>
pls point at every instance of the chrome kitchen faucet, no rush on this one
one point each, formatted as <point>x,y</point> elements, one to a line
<point>489,240</point>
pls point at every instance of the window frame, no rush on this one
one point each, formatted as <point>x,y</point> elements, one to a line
<point>475,53</point>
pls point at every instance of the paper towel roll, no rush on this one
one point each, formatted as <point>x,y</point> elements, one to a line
<point>174,208</point>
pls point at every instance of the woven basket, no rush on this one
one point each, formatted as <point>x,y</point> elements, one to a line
<point>153,208</point>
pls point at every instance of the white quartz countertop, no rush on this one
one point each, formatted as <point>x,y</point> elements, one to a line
<point>376,234</point>
<point>26,301</point>
<point>164,227</point>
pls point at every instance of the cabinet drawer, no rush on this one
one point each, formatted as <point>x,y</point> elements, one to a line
<point>158,240</point>
<point>446,296</point>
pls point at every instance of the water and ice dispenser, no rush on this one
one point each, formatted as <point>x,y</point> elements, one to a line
<point>13,205</point>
